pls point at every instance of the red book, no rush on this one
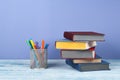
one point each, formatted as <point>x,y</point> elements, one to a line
<point>83,36</point>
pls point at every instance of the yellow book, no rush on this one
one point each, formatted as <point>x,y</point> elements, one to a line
<point>75,45</point>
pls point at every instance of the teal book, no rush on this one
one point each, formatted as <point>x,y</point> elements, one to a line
<point>88,66</point>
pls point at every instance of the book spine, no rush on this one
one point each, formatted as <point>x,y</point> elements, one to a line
<point>55,44</point>
<point>70,63</point>
<point>68,36</point>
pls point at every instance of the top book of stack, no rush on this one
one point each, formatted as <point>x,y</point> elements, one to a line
<point>83,36</point>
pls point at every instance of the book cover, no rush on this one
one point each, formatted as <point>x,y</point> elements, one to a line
<point>77,54</point>
<point>88,66</point>
<point>97,59</point>
<point>75,45</point>
<point>83,36</point>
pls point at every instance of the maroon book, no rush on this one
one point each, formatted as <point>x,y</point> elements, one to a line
<point>83,36</point>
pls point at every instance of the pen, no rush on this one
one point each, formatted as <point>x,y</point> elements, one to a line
<point>43,44</point>
<point>42,48</point>
<point>37,45</point>
<point>36,52</point>
<point>32,54</point>
<point>46,46</point>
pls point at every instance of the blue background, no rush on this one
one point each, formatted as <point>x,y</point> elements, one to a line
<point>21,20</point>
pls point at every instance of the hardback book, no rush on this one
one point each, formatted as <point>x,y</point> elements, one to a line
<point>88,66</point>
<point>77,54</point>
<point>75,45</point>
<point>83,36</point>
<point>97,59</point>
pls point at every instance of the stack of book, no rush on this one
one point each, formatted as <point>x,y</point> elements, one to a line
<point>78,50</point>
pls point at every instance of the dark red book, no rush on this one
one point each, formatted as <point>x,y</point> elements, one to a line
<point>83,36</point>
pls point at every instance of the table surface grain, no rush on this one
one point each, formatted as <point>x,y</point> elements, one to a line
<point>57,70</point>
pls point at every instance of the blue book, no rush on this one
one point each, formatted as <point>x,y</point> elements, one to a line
<point>88,66</point>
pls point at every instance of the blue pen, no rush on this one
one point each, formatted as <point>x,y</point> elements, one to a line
<point>46,46</point>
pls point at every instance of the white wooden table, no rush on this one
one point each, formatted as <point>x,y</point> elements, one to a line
<point>57,70</point>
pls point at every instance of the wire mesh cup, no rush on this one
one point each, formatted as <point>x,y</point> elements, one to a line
<point>38,58</point>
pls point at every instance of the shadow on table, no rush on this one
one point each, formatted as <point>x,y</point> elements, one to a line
<point>55,64</point>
